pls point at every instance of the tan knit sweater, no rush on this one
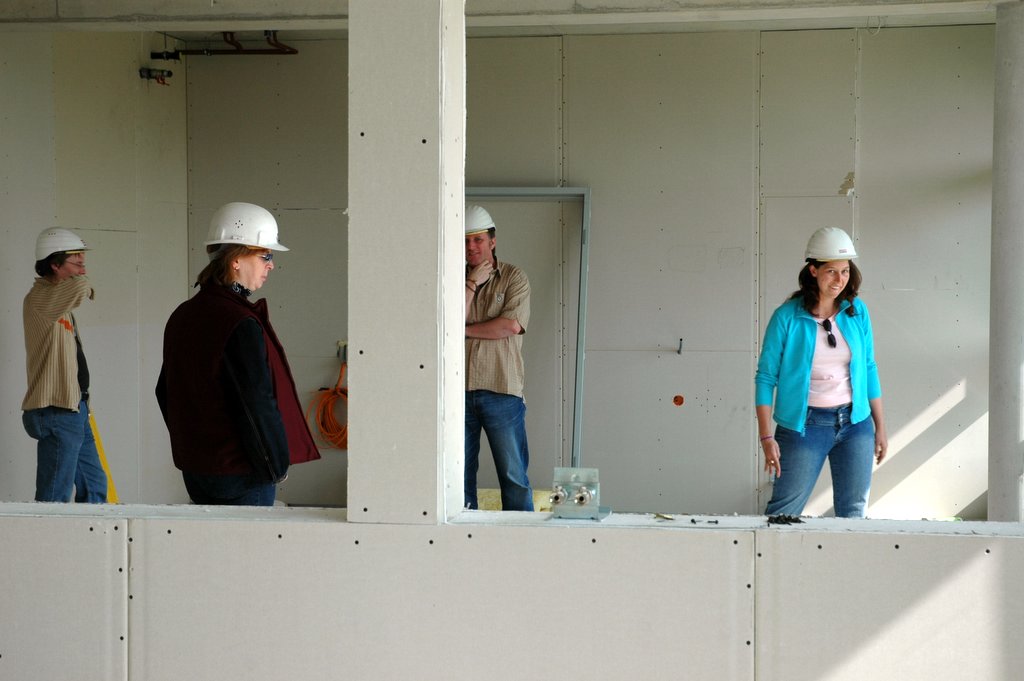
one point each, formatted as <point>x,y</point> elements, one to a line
<point>51,355</point>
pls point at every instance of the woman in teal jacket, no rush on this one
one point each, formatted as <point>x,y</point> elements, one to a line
<point>818,362</point>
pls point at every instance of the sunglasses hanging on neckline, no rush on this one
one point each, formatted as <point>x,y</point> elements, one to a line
<point>827,325</point>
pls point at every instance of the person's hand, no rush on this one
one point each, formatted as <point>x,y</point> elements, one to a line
<point>881,446</point>
<point>771,457</point>
<point>481,273</point>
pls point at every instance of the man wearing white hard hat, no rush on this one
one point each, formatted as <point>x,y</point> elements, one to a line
<point>56,407</point>
<point>497,312</point>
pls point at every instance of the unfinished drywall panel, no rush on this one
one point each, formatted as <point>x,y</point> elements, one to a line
<point>269,130</point>
<point>667,433</point>
<point>96,80</point>
<point>662,128</point>
<point>65,606</point>
<point>279,599</point>
<point>923,233</point>
<point>162,252</point>
<point>406,279</point>
<point>807,113</point>
<point>889,605</point>
<point>27,206</point>
<point>514,112</point>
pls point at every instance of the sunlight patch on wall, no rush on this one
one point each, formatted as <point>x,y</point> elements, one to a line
<point>957,471</point>
<point>928,417</point>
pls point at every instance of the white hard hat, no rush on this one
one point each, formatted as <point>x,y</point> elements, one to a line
<point>245,224</point>
<point>57,240</point>
<point>830,243</point>
<point>477,220</point>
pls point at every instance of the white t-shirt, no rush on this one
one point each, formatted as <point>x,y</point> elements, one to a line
<point>830,369</point>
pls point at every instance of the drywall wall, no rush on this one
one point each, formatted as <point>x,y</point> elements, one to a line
<point>180,592</point>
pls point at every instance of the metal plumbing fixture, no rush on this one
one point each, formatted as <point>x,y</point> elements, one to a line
<point>583,488</point>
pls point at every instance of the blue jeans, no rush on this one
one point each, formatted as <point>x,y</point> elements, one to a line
<point>850,449</point>
<point>503,418</point>
<point>66,456</point>
<point>229,490</point>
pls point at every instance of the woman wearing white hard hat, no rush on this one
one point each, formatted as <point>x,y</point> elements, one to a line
<point>225,389</point>
<point>818,362</point>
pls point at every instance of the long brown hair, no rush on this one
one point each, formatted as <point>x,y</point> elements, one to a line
<point>219,270</point>
<point>808,290</point>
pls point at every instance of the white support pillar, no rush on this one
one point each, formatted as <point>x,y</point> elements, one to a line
<point>1006,333</point>
<point>407,80</point>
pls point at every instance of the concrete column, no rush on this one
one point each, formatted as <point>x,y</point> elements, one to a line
<point>406,189</point>
<point>1006,334</point>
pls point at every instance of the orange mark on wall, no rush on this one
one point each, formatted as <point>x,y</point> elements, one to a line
<point>66,324</point>
<point>678,400</point>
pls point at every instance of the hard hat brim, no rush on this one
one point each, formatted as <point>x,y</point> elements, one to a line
<point>273,247</point>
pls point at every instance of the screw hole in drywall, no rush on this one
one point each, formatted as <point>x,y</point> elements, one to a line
<point>469,536</point>
<point>819,547</point>
<point>431,542</point>
<point>357,542</point>
<point>280,536</point>
<point>593,541</point>
<point>365,509</point>
<point>897,547</point>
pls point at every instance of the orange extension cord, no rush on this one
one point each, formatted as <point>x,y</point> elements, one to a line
<point>328,428</point>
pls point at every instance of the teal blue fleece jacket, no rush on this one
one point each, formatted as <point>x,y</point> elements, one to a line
<point>788,350</point>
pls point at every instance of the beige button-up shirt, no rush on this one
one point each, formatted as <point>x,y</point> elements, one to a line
<point>497,365</point>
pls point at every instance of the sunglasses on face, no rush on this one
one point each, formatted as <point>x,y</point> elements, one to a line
<point>827,325</point>
<point>265,257</point>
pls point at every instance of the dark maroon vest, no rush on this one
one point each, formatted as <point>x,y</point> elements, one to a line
<point>203,438</point>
